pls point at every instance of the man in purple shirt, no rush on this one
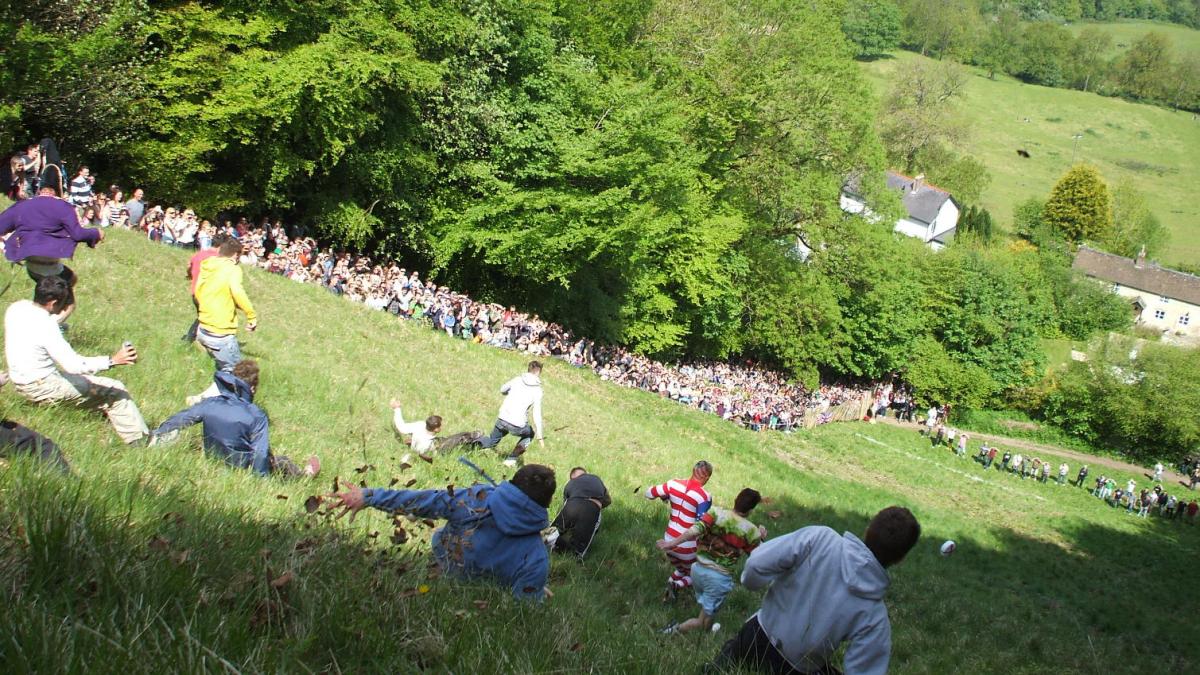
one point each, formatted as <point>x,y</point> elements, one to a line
<point>45,231</point>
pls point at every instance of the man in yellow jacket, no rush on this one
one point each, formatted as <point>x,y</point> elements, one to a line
<point>219,295</point>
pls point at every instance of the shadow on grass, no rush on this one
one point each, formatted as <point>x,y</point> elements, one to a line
<point>140,578</point>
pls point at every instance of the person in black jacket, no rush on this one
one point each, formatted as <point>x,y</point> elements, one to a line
<point>579,520</point>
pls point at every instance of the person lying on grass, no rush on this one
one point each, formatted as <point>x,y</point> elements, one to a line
<point>235,429</point>
<point>424,436</point>
<point>724,537</point>
<point>491,532</point>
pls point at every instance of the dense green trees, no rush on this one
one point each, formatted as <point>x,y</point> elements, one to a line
<point>873,26</point>
<point>1137,397</point>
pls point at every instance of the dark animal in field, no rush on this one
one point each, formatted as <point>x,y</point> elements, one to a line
<point>1023,153</point>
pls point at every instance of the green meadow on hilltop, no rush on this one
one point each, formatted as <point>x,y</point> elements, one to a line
<point>162,560</point>
<point>1154,149</point>
<point>1185,42</point>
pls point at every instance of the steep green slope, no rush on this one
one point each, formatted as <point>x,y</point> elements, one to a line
<point>1155,150</point>
<point>161,560</point>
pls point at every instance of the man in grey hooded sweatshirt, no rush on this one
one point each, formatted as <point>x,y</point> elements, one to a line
<point>823,589</point>
<point>522,401</point>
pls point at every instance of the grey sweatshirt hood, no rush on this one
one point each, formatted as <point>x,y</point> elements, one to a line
<point>863,574</point>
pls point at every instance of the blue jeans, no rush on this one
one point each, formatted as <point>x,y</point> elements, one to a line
<point>224,349</point>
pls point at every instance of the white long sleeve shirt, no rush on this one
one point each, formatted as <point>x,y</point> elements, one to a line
<point>35,347</point>
<point>422,439</point>
<point>523,399</point>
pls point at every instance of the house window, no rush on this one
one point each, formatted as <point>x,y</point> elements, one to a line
<point>1163,299</point>
<point>1185,320</point>
<point>1160,314</point>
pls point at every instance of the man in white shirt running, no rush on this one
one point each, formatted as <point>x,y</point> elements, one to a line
<point>522,399</point>
<point>45,369</point>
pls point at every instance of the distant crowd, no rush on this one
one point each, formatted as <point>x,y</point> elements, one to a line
<point>746,394</point>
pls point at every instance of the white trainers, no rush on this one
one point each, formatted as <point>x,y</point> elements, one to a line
<point>511,462</point>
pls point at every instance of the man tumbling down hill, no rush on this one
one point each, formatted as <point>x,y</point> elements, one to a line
<point>689,500</point>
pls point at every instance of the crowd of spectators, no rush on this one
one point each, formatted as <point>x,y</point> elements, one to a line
<point>744,393</point>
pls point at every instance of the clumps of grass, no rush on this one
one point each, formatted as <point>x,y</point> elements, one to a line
<point>1138,166</point>
<point>1054,119</point>
<point>1091,132</point>
<point>1144,135</point>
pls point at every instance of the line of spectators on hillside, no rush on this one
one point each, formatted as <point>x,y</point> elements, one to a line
<point>749,395</point>
<point>1154,500</point>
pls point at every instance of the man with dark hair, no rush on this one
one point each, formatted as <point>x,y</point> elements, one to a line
<point>45,369</point>
<point>219,295</point>
<point>492,532</point>
<point>823,589</point>
<point>522,400</point>
<point>724,537</point>
<point>236,430</point>
<point>81,188</point>
<point>689,500</point>
<point>579,520</point>
<point>193,275</point>
<point>422,435</point>
<point>45,230</point>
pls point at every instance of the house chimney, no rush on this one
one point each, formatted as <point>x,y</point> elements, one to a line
<point>918,182</point>
<point>1140,261</point>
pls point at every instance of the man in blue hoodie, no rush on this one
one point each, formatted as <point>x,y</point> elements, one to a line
<point>490,532</point>
<point>235,429</point>
<point>823,589</point>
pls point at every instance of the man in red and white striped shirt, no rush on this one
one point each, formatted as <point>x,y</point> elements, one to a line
<point>689,500</point>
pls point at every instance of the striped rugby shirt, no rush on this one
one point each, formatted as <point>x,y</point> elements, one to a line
<point>689,500</point>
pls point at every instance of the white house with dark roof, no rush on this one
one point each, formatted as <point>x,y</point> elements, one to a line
<point>932,213</point>
<point>1160,298</point>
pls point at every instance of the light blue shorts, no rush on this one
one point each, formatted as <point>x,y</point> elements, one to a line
<point>711,588</point>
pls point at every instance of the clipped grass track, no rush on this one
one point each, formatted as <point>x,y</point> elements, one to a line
<point>1156,150</point>
<point>160,560</point>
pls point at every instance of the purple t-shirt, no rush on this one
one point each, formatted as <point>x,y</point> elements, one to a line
<point>43,227</point>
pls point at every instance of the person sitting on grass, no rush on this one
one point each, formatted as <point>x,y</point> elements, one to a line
<point>823,590</point>
<point>724,537</point>
<point>491,532</point>
<point>45,369</point>
<point>235,429</point>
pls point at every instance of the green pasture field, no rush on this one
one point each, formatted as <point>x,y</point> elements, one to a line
<point>155,560</point>
<point>1156,150</point>
<point>1185,41</point>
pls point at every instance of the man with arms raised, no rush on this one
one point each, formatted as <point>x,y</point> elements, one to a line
<point>689,500</point>
<point>823,590</point>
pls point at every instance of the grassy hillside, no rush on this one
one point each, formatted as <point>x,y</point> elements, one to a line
<point>1154,149</point>
<point>162,560</point>
<point>1184,40</point>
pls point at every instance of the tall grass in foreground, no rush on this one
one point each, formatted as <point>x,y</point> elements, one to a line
<point>162,560</point>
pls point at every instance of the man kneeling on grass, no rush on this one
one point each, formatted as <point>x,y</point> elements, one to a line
<point>491,531</point>
<point>823,589</point>
<point>235,429</point>
<point>724,537</point>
